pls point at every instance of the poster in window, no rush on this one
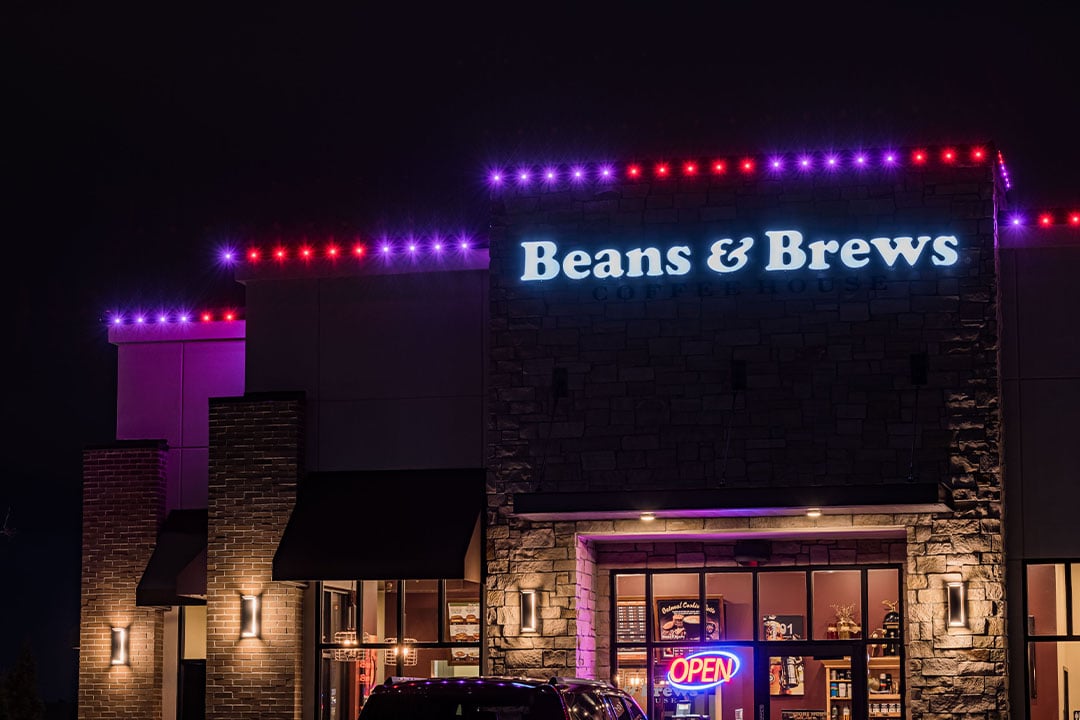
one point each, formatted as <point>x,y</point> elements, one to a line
<point>680,618</point>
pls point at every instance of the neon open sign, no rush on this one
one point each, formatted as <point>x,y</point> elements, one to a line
<point>702,670</point>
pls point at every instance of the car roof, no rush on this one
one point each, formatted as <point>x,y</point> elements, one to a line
<point>436,684</point>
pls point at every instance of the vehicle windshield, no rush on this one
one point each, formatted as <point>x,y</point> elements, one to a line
<point>506,703</point>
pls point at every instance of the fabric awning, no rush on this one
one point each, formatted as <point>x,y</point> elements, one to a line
<point>381,525</point>
<point>176,573</point>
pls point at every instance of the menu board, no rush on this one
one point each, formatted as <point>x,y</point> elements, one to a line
<point>630,621</point>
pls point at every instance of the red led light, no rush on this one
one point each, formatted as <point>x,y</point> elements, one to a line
<point>690,168</point>
<point>1046,219</point>
<point>206,317</point>
<point>253,255</point>
<point>279,254</point>
<point>358,250</point>
<point>332,251</point>
<point>918,157</point>
<point>633,171</point>
<point>747,165</point>
<point>948,155</point>
<point>978,154</point>
<point>719,167</point>
<point>305,252</point>
<point>229,316</point>
<point>1074,219</point>
<point>662,170</point>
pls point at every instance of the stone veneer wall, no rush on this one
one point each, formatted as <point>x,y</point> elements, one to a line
<point>123,508</point>
<point>829,399</point>
<point>256,457</point>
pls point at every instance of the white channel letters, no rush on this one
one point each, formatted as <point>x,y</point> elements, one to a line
<point>783,250</point>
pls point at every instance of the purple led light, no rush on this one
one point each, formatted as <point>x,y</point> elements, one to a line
<point>496,178</point>
<point>437,246</point>
<point>1016,220</point>
<point>804,162</point>
<point>577,173</point>
<point>162,318</point>
<point>184,318</point>
<point>118,320</point>
<point>890,158</point>
<point>385,249</point>
<point>523,176</point>
<point>550,175</point>
<point>606,172</point>
<point>776,163</point>
<point>412,247</point>
<point>464,245</point>
<point>860,159</point>
<point>831,161</point>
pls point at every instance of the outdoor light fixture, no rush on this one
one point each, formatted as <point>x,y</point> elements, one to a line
<point>813,512</point>
<point>249,616</point>
<point>648,516</point>
<point>529,618</point>
<point>957,597</point>
<point>119,654</point>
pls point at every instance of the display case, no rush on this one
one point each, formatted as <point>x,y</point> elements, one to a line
<point>884,690</point>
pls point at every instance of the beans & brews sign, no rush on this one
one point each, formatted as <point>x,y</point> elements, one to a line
<point>776,251</point>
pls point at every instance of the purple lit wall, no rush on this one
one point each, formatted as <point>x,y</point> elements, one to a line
<point>165,374</point>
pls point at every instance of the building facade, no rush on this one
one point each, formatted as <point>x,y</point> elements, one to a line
<point>780,437</point>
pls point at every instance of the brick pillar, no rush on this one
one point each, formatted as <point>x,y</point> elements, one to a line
<point>256,456</point>
<point>123,507</point>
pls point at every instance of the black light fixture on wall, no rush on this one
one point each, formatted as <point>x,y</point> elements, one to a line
<point>119,647</point>
<point>250,616</point>
<point>530,621</point>
<point>956,601</point>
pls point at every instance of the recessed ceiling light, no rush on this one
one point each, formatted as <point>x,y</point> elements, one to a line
<point>647,517</point>
<point>813,512</point>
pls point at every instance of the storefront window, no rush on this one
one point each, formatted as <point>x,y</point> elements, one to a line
<point>708,667</point>
<point>361,645</point>
<point>733,593</point>
<point>1053,665</point>
<point>782,599</point>
<point>838,610</point>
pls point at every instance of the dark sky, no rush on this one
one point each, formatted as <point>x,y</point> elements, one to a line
<point>138,139</point>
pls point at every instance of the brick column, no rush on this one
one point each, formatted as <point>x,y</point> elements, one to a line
<point>256,457</point>
<point>123,507</point>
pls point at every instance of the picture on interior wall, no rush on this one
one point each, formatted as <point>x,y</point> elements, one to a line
<point>786,675</point>
<point>680,618</point>
<point>782,627</point>
<point>465,656</point>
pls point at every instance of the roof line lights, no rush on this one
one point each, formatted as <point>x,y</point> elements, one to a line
<point>1049,217</point>
<point>357,250</point>
<point>770,165</point>
<point>172,317</point>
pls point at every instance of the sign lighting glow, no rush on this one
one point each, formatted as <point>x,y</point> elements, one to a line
<point>702,670</point>
<point>783,250</point>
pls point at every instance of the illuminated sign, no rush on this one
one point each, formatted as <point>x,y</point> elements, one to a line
<point>702,670</point>
<point>781,251</point>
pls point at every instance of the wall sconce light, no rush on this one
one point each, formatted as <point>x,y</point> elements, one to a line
<point>957,599</point>
<point>529,618</point>
<point>250,620</point>
<point>119,647</point>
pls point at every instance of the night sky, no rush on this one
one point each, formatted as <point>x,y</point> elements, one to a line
<point>140,139</point>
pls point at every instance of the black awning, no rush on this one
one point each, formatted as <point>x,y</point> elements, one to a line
<point>176,573</point>
<point>381,525</point>
<point>921,496</point>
